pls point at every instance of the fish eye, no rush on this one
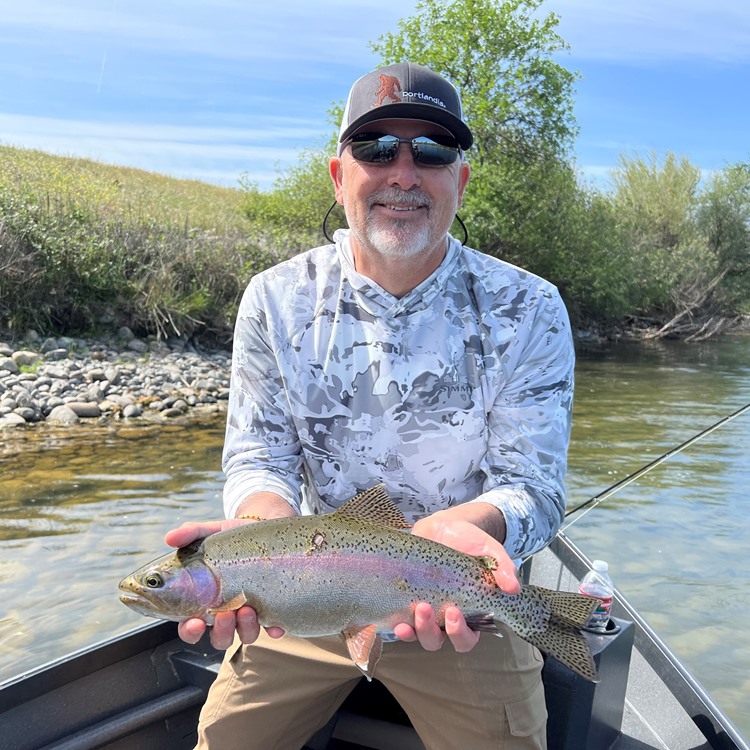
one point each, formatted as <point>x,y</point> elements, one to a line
<point>153,581</point>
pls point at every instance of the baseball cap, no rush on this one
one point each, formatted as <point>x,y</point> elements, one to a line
<point>404,91</point>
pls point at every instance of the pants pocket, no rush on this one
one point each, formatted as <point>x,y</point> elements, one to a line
<point>528,717</point>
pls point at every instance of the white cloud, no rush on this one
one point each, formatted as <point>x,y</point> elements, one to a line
<point>643,31</point>
<point>279,33</point>
<point>215,154</point>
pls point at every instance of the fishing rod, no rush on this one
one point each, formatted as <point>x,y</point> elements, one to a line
<point>617,486</point>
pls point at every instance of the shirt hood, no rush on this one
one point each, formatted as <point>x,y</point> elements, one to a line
<point>381,303</point>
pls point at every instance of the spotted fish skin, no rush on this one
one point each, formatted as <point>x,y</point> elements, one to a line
<point>355,572</point>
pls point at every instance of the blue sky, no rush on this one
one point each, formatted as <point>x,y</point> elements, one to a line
<point>214,90</point>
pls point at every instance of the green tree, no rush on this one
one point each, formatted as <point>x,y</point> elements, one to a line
<point>689,246</point>
<point>724,217</point>
<point>289,218</point>
<point>516,98</point>
<point>656,204</point>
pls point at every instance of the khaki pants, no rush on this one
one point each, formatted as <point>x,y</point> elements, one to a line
<point>275,694</point>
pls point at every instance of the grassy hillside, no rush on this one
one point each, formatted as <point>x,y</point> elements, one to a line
<point>85,244</point>
<point>119,191</point>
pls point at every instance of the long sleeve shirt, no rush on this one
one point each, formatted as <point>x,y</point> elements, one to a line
<point>459,391</point>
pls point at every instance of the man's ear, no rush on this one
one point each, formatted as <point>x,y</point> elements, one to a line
<point>463,178</point>
<point>336,169</point>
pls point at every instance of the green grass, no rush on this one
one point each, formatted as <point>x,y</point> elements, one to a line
<point>132,195</point>
<point>83,242</point>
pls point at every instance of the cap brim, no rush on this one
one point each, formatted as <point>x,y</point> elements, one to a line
<point>424,112</point>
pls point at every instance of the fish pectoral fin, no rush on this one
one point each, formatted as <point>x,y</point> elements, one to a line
<point>483,623</point>
<point>238,601</point>
<point>365,647</point>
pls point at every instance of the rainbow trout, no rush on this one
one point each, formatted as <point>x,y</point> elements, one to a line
<point>354,572</point>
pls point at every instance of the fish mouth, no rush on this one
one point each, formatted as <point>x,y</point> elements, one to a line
<point>138,602</point>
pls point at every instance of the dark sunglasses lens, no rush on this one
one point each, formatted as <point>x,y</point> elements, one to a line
<point>382,149</point>
<point>432,154</point>
<point>374,150</point>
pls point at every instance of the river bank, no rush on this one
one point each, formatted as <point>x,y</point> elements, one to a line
<point>119,377</point>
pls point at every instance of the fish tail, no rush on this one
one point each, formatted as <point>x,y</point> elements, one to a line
<point>568,607</point>
<point>560,636</point>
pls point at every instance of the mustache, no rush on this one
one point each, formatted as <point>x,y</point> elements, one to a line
<point>414,198</point>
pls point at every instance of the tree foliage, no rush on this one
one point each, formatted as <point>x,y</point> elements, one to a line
<point>688,243</point>
<point>724,217</point>
<point>500,57</point>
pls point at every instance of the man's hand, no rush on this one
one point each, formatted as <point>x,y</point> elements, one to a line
<point>243,621</point>
<point>474,529</point>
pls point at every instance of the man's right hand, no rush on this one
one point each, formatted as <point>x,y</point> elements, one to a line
<point>243,621</point>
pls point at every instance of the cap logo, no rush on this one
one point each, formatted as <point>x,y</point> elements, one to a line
<point>389,85</point>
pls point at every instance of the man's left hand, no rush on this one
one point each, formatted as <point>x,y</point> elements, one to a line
<point>465,528</point>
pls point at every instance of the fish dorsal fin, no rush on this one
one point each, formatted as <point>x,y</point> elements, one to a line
<point>375,506</point>
<point>184,554</point>
<point>365,647</point>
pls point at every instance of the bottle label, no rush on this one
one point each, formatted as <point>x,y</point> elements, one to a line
<point>605,606</point>
<point>600,616</point>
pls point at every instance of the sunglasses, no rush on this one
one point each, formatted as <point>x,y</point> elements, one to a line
<point>429,151</point>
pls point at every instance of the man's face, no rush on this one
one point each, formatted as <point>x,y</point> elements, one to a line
<point>399,209</point>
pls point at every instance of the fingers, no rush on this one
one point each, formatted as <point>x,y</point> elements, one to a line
<point>506,577</point>
<point>469,538</point>
<point>244,622</point>
<point>189,532</point>
<point>429,634</point>
<point>460,634</point>
<point>425,630</point>
<point>248,628</point>
<point>222,632</point>
<point>191,631</point>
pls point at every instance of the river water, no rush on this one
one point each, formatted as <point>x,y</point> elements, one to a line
<point>80,508</point>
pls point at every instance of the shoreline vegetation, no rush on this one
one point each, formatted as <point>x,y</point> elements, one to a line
<point>86,246</point>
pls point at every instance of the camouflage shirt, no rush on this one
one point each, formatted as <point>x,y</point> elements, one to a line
<point>461,390</point>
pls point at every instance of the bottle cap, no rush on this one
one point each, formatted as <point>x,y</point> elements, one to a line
<point>600,565</point>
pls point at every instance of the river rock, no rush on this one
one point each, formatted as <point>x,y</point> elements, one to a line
<point>28,413</point>
<point>108,378</point>
<point>132,410</point>
<point>85,409</point>
<point>62,415</point>
<point>137,345</point>
<point>12,420</point>
<point>25,358</point>
<point>9,364</point>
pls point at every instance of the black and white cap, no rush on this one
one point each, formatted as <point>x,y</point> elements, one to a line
<point>404,91</point>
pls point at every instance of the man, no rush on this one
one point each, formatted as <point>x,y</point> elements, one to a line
<point>395,355</point>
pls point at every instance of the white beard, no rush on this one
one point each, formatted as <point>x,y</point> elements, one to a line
<point>394,239</point>
<point>398,239</point>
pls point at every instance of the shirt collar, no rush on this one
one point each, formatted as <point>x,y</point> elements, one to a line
<point>379,302</point>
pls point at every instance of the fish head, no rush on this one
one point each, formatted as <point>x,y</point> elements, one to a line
<point>176,586</point>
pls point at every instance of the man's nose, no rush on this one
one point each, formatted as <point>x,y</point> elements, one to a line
<point>403,170</point>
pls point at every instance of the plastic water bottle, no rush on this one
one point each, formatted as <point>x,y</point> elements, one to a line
<point>597,583</point>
